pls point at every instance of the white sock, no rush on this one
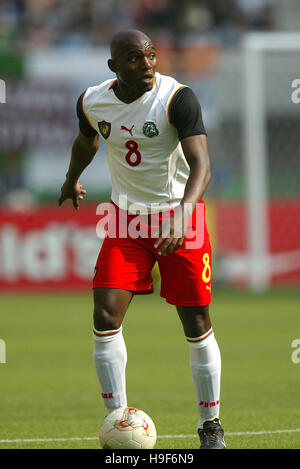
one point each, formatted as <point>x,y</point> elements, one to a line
<point>205,361</point>
<point>110,358</point>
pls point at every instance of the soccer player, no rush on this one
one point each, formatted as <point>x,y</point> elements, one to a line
<point>160,168</point>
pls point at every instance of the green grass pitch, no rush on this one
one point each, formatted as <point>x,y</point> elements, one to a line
<point>50,396</point>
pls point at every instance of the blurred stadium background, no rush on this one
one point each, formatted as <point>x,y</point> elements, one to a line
<point>51,50</point>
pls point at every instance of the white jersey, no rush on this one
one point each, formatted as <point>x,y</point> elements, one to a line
<point>147,165</point>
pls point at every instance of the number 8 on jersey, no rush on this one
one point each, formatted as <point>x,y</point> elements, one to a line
<point>133,150</point>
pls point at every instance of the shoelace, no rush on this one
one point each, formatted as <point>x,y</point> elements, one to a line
<point>209,435</point>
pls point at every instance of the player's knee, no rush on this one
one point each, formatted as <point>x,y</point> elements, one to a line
<point>195,319</point>
<point>104,319</point>
<point>110,305</point>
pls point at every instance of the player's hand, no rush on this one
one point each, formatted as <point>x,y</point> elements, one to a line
<point>71,191</point>
<point>172,233</point>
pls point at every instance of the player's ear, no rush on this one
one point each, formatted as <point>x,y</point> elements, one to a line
<point>112,66</point>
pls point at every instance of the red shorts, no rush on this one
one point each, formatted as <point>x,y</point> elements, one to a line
<point>126,262</point>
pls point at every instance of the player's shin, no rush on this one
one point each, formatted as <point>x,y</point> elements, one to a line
<point>110,358</point>
<point>205,361</point>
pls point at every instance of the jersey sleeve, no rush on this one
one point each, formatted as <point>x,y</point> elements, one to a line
<point>185,113</point>
<point>84,125</point>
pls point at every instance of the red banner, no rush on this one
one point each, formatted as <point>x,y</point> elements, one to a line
<point>283,240</point>
<point>48,248</point>
<point>53,248</point>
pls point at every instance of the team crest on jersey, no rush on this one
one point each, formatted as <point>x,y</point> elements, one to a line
<point>104,128</point>
<point>150,129</point>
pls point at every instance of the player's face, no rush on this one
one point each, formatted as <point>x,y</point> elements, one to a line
<point>135,67</point>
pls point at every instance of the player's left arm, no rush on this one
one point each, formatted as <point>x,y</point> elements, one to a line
<point>186,115</point>
<point>196,152</point>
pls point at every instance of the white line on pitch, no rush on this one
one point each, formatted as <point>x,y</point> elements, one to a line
<point>33,440</point>
<point>263,432</point>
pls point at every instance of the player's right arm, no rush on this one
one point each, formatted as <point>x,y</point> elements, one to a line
<point>84,149</point>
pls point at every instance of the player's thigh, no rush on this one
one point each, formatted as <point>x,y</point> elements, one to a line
<point>110,306</point>
<point>126,264</point>
<point>186,276</point>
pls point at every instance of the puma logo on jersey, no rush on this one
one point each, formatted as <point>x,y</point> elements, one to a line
<point>127,130</point>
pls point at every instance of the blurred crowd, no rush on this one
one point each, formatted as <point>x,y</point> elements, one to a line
<point>77,23</point>
<point>174,25</point>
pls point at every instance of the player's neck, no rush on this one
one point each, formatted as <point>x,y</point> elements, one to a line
<point>124,94</point>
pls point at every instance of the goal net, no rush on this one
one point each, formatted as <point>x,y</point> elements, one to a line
<point>269,137</point>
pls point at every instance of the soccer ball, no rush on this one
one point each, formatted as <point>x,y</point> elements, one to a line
<point>127,428</point>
